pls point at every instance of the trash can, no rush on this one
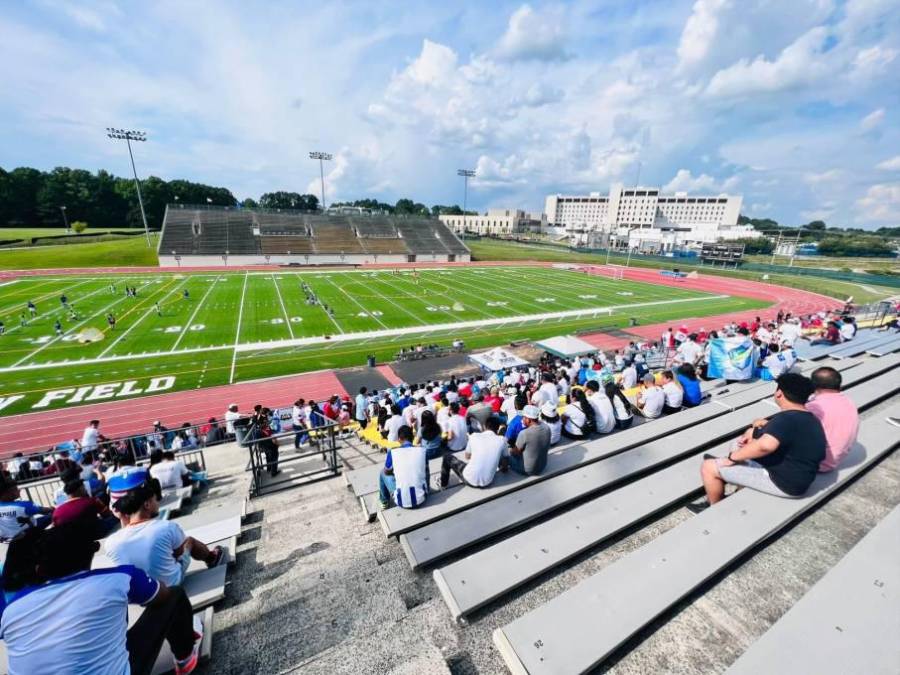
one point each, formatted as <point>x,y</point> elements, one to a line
<point>371,361</point>
<point>241,427</point>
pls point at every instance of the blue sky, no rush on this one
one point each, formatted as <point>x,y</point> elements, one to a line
<point>795,104</point>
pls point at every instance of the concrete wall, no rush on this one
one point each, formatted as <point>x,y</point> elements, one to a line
<point>312,259</point>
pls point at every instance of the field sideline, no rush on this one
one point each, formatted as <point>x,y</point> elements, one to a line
<point>237,326</point>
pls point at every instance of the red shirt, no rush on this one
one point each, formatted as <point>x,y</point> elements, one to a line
<point>465,390</point>
<point>77,509</point>
<point>495,402</point>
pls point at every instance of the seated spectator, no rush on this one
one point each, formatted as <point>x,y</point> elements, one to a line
<point>673,393</point>
<point>393,423</point>
<point>575,415</point>
<point>457,432</point>
<point>17,516</point>
<point>529,454</point>
<point>848,329</point>
<point>690,385</point>
<point>780,458</point>
<point>550,417</point>
<point>212,433</point>
<point>831,336</point>
<point>478,414</point>
<point>779,361</point>
<point>82,508</point>
<point>64,617</point>
<point>405,475</point>
<point>651,399</point>
<point>604,414</point>
<point>170,473</point>
<point>514,421</point>
<point>621,406</point>
<point>486,452</point>
<point>836,413</point>
<point>157,546</point>
<point>548,392</point>
<point>429,435</point>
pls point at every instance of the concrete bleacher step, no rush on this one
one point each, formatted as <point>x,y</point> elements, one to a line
<point>841,624</point>
<point>214,523</point>
<point>806,352</point>
<point>884,350</point>
<point>205,587</point>
<point>397,521</point>
<point>580,628</point>
<point>492,572</point>
<point>443,504</point>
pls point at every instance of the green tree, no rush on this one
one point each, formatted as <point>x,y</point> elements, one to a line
<point>79,226</point>
<point>249,203</point>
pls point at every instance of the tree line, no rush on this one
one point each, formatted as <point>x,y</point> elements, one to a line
<point>829,240</point>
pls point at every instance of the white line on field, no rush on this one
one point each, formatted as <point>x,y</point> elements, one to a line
<point>287,319</point>
<point>194,314</point>
<point>237,333</point>
<point>51,312</point>
<point>400,307</point>
<point>143,316</point>
<point>357,303</point>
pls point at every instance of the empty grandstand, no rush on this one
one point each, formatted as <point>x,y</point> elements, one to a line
<point>200,235</point>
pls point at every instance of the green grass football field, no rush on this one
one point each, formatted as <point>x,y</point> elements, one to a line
<point>238,326</point>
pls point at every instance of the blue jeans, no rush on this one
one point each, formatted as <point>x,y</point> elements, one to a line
<point>300,437</point>
<point>387,485</point>
<point>517,464</point>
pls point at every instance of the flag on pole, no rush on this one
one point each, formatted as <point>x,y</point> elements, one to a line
<point>731,358</point>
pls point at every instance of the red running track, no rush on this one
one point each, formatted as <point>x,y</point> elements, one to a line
<point>39,431</point>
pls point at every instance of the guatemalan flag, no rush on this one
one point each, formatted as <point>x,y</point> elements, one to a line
<point>731,358</point>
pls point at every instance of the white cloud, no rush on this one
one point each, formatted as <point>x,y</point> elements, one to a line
<point>684,181</point>
<point>892,164</point>
<point>798,65</point>
<point>760,207</point>
<point>874,59</point>
<point>533,35</point>
<point>872,121</point>
<point>881,203</point>
<point>823,177</point>
<point>699,32</point>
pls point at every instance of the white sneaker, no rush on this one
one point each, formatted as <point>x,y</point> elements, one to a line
<point>436,484</point>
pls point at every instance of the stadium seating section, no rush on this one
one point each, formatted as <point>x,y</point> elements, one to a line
<point>205,231</point>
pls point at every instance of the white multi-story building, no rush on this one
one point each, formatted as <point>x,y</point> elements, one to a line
<point>643,218</point>
<point>500,222</point>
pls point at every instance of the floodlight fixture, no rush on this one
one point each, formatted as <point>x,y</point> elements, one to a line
<point>466,175</point>
<point>322,157</point>
<point>128,136</point>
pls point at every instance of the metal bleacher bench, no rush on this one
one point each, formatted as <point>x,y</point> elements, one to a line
<point>397,521</point>
<point>848,622</point>
<point>580,628</point>
<point>856,347</point>
<point>492,572</point>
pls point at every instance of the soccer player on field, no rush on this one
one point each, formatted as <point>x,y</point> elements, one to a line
<point>158,310</point>
<point>111,320</point>
<point>58,327</point>
<point>2,328</point>
<point>32,309</point>
<point>187,295</point>
<point>22,320</point>
<point>64,301</point>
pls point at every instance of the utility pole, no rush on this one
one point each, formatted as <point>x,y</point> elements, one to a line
<point>128,136</point>
<point>322,157</point>
<point>65,220</point>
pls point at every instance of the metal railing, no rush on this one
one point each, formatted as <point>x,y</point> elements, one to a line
<point>44,490</point>
<point>267,469</point>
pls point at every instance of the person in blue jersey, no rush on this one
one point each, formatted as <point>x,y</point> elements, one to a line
<point>57,615</point>
<point>16,515</point>
<point>690,385</point>
<point>404,479</point>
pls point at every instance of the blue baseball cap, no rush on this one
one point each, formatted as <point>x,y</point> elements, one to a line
<point>130,479</point>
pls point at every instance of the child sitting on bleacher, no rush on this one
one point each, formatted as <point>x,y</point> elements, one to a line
<point>62,617</point>
<point>158,546</point>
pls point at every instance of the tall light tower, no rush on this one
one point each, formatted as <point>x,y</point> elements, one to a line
<point>128,136</point>
<point>322,157</point>
<point>466,175</point>
<point>65,220</point>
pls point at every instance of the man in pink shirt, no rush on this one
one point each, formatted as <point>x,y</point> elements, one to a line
<point>837,414</point>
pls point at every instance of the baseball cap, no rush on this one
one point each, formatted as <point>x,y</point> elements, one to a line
<point>531,412</point>
<point>127,480</point>
<point>548,410</point>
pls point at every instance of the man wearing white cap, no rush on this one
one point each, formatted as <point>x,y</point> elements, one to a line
<point>486,451</point>
<point>231,415</point>
<point>550,417</point>
<point>529,455</point>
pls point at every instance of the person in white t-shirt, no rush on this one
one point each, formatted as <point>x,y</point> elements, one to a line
<point>550,417</point>
<point>790,331</point>
<point>689,351</point>
<point>486,451</point>
<point>170,473</point>
<point>548,392</point>
<point>848,329</point>
<point>674,394</point>
<point>604,414</point>
<point>651,399</point>
<point>629,376</point>
<point>574,417</point>
<point>780,360</point>
<point>91,436</point>
<point>395,421</point>
<point>157,546</point>
<point>405,476</point>
<point>64,617</point>
<point>457,430</point>
<point>231,416</point>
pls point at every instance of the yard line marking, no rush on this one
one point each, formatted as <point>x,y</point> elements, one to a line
<point>144,315</point>
<point>68,332</point>
<point>237,333</point>
<point>356,303</point>
<point>194,313</point>
<point>287,319</point>
<point>468,305</point>
<point>400,307</point>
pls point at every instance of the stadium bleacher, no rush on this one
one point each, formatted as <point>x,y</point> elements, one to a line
<point>210,232</point>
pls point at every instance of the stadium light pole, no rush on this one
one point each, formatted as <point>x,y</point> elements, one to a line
<point>466,175</point>
<point>322,157</point>
<point>65,220</point>
<point>128,136</point>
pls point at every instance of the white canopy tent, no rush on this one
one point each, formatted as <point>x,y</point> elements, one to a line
<point>498,359</point>
<point>566,346</point>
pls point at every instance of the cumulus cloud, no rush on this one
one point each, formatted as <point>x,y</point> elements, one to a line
<point>700,31</point>
<point>685,181</point>
<point>533,35</point>
<point>872,121</point>
<point>820,177</point>
<point>892,164</point>
<point>881,203</point>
